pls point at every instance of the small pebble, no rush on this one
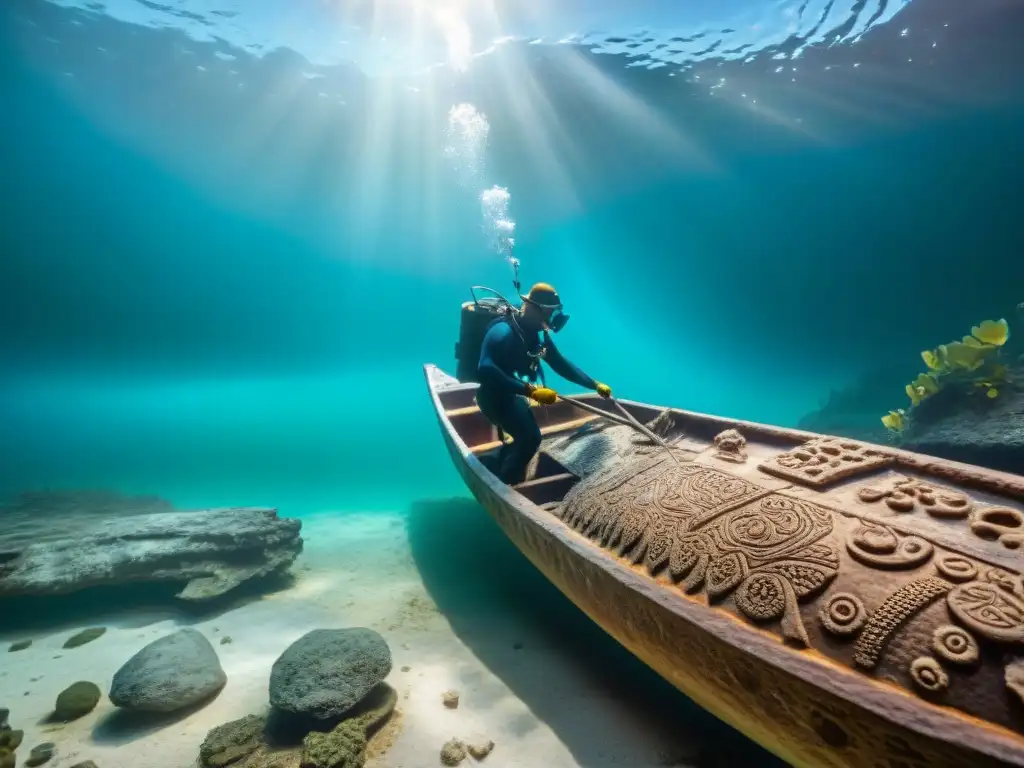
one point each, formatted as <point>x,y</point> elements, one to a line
<point>480,751</point>
<point>86,764</point>
<point>450,699</point>
<point>405,669</point>
<point>226,640</point>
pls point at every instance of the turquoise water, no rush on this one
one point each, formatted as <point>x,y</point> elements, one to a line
<point>224,265</point>
<point>225,296</point>
<point>231,236</point>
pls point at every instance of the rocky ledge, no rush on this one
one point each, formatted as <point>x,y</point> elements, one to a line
<point>958,423</point>
<point>50,545</point>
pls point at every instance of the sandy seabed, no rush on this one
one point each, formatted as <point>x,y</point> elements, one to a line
<point>524,681</point>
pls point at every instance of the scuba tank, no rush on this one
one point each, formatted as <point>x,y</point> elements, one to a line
<point>477,316</point>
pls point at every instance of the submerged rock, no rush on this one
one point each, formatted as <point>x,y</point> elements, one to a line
<point>85,764</point>
<point>60,543</point>
<point>77,700</point>
<point>245,743</point>
<point>958,423</point>
<point>450,699</point>
<point>20,645</point>
<point>326,672</point>
<point>480,751</point>
<point>85,636</point>
<point>10,740</point>
<point>345,745</point>
<point>171,673</point>
<point>453,752</point>
<point>962,425</point>
<point>230,742</point>
<point>42,753</point>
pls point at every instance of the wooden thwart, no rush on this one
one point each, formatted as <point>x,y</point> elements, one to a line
<point>567,426</point>
<point>545,490</point>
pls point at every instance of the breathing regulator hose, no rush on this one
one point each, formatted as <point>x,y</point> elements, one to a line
<point>514,262</point>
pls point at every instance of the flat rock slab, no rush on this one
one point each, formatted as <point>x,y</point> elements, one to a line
<point>169,674</point>
<point>326,672</point>
<point>49,550</point>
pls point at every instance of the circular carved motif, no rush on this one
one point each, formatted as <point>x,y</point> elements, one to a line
<point>762,597</point>
<point>843,614</point>
<point>929,675</point>
<point>955,645</point>
<point>956,568</point>
<point>988,610</point>
<point>879,547</point>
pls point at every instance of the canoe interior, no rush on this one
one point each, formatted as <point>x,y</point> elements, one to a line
<point>872,561</point>
<point>547,481</point>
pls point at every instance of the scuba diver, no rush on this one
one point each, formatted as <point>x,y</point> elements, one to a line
<point>514,345</point>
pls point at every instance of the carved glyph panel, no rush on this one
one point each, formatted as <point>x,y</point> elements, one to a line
<point>823,461</point>
<point>713,531</point>
<point>905,494</point>
<point>886,599</point>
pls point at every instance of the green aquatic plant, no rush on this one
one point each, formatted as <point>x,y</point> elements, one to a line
<point>974,357</point>
<point>894,420</point>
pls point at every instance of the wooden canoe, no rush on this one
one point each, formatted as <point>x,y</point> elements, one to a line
<point>840,603</point>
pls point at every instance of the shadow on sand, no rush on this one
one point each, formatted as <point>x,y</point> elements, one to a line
<point>478,580</point>
<point>122,727</point>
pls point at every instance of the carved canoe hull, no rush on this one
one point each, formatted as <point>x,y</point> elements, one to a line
<point>842,606</point>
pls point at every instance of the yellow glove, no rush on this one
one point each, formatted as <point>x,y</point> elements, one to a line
<point>604,390</point>
<point>543,395</point>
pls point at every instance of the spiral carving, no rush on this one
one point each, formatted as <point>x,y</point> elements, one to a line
<point>879,546</point>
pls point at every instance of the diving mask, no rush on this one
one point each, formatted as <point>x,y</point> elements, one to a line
<point>557,319</point>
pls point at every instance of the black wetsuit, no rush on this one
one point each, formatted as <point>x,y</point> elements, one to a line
<point>509,351</point>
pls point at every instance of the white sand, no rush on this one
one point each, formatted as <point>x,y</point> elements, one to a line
<point>356,570</point>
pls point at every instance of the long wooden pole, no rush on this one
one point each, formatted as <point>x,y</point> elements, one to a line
<point>629,421</point>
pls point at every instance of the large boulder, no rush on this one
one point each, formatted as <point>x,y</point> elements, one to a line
<point>169,674</point>
<point>958,423</point>
<point>326,672</point>
<point>49,544</point>
<point>963,425</point>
